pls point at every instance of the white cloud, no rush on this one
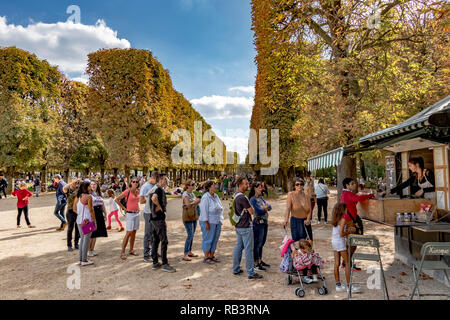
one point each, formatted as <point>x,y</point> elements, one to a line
<point>248,90</point>
<point>64,44</point>
<point>223,107</point>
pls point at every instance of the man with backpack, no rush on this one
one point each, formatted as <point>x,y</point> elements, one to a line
<point>242,220</point>
<point>158,227</point>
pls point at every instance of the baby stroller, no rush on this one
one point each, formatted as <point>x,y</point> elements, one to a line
<point>287,266</point>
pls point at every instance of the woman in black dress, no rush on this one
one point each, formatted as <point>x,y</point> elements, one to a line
<point>421,181</point>
<point>100,216</point>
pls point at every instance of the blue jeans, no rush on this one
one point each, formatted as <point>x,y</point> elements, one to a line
<point>244,241</point>
<point>190,229</point>
<point>298,229</point>
<point>59,212</point>
<point>210,237</point>
<point>258,238</point>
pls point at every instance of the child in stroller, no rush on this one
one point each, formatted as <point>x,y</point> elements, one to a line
<point>298,262</point>
<point>307,261</point>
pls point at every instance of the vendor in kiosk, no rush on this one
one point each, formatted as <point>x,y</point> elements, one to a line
<point>421,180</point>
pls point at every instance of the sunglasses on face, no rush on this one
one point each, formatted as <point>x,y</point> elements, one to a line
<point>134,182</point>
<point>299,185</point>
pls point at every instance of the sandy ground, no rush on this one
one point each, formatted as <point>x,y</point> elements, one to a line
<point>35,263</point>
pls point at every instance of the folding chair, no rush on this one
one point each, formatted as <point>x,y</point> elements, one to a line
<point>430,249</point>
<point>365,241</point>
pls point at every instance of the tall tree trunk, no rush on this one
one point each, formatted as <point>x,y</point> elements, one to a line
<point>116,171</point>
<point>284,181</point>
<point>127,172</point>
<point>144,171</point>
<point>347,169</point>
<point>10,178</point>
<point>86,172</point>
<point>102,173</point>
<point>44,178</point>
<point>66,174</point>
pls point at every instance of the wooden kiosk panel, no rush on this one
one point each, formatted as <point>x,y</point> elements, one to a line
<point>385,210</point>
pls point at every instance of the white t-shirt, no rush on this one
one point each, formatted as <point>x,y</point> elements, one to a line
<point>111,204</point>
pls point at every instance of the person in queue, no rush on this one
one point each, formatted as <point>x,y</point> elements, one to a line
<point>349,197</point>
<point>189,200</point>
<point>298,208</point>
<point>260,224</point>
<point>211,220</point>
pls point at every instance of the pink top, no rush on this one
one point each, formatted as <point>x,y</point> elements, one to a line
<point>132,200</point>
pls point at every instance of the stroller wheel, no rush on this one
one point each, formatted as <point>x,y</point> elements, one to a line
<point>322,291</point>
<point>299,292</point>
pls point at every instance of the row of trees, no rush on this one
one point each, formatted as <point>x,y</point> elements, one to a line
<point>332,71</point>
<point>122,120</point>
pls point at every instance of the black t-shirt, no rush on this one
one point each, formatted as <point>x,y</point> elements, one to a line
<point>162,199</point>
<point>242,203</point>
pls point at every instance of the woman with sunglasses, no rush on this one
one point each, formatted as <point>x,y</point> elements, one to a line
<point>189,200</point>
<point>260,224</point>
<point>298,206</point>
<point>132,217</point>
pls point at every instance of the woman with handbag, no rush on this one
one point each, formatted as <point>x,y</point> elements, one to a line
<point>100,217</point>
<point>211,219</point>
<point>190,217</point>
<point>86,222</point>
<point>322,193</point>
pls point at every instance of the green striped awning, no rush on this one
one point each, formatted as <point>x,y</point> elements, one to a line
<point>325,160</point>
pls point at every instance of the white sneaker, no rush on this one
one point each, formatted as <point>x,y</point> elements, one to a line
<point>340,288</point>
<point>318,222</point>
<point>325,222</point>
<point>87,263</point>
<point>94,253</point>
<point>314,279</point>
<point>307,280</point>
<point>355,289</point>
<point>90,254</point>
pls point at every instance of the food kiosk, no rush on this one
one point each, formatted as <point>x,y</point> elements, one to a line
<point>426,134</point>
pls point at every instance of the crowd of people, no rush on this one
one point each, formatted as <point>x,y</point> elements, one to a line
<point>91,207</point>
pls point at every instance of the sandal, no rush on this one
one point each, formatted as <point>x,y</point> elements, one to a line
<point>132,253</point>
<point>208,261</point>
<point>215,259</point>
<point>30,226</point>
<point>123,256</point>
<point>187,259</point>
<point>192,255</point>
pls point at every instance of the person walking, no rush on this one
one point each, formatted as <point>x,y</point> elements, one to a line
<point>145,193</point>
<point>113,210</point>
<point>22,195</point>
<point>85,213</point>
<point>226,185</point>
<point>131,216</point>
<point>260,224</point>
<point>211,220</point>
<point>100,216</point>
<point>322,192</point>
<point>37,186</point>
<point>298,207</point>
<point>190,217</point>
<point>244,231</point>
<point>61,201</point>
<point>158,227</point>
<point>71,190</point>
<point>3,186</point>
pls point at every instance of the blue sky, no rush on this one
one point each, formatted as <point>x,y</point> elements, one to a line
<point>206,44</point>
